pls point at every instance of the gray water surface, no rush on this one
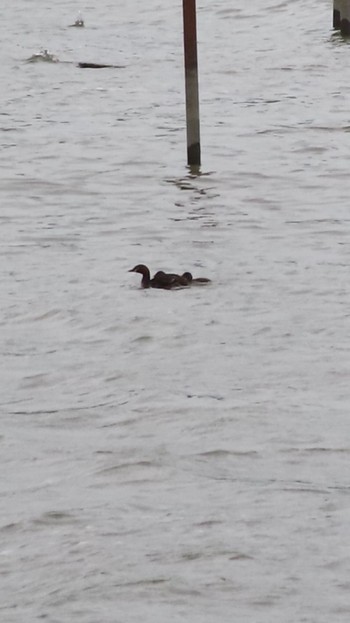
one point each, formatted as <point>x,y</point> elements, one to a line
<point>174,456</point>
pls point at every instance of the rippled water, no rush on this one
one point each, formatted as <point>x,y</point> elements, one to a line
<point>178,455</point>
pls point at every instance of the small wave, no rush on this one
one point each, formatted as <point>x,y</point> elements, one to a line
<point>42,56</point>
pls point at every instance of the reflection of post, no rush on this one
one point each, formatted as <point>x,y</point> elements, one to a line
<point>191,80</point>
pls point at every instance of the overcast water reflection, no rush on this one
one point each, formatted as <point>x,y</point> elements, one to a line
<point>174,455</point>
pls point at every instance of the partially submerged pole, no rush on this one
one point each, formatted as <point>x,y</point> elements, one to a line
<point>336,14</point>
<point>345,18</point>
<point>191,82</point>
<point>341,16</point>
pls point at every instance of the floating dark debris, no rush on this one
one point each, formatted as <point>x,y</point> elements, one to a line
<point>43,55</point>
<point>79,22</point>
<point>97,66</point>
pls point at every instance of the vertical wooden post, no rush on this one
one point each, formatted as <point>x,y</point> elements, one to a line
<point>336,14</point>
<point>345,18</point>
<point>341,16</point>
<point>191,83</point>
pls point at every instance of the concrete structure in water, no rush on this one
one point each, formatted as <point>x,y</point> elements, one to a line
<point>341,16</point>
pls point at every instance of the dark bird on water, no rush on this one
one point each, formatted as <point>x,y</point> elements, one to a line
<point>166,281</point>
<point>162,280</point>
